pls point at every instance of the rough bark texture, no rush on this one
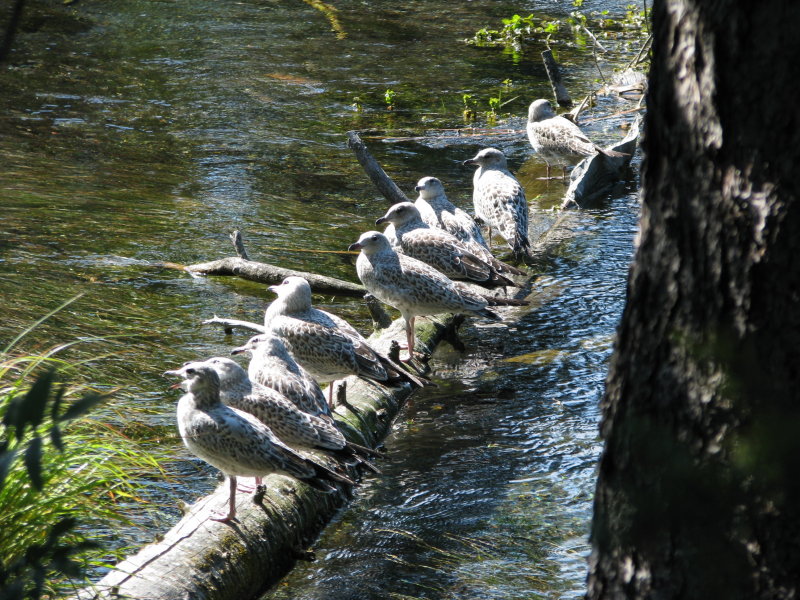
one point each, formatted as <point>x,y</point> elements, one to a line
<point>699,486</point>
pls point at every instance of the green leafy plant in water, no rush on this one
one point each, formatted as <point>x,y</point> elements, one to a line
<point>469,106</point>
<point>357,105</point>
<point>61,475</point>
<point>389,96</point>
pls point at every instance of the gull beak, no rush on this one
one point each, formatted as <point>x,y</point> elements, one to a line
<point>239,350</point>
<point>174,373</point>
<point>418,188</point>
<point>381,221</point>
<point>354,247</point>
<point>469,162</point>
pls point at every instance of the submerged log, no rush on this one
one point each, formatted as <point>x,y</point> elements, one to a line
<point>595,176</point>
<point>554,74</point>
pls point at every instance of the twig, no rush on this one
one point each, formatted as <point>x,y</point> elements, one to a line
<point>594,39</point>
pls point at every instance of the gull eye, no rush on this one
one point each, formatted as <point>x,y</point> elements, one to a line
<point>374,238</point>
<point>190,371</point>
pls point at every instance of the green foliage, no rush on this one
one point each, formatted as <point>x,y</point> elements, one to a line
<point>61,476</point>
<point>389,96</point>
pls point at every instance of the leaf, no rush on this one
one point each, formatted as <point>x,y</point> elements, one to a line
<point>60,528</point>
<point>33,462</point>
<point>82,406</point>
<point>55,437</point>
<point>59,397</point>
<point>6,458</point>
<point>30,410</point>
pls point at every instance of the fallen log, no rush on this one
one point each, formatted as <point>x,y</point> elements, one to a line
<point>595,176</point>
<point>554,74</point>
<point>241,266</point>
<point>200,559</point>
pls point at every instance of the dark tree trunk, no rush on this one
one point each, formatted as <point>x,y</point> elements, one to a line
<point>699,486</point>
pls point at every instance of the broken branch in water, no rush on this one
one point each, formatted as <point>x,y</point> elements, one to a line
<point>377,175</point>
<point>554,74</point>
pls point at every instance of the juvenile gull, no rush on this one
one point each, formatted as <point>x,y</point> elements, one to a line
<point>236,442</point>
<point>413,287</point>
<point>558,140</point>
<point>438,248</point>
<point>271,365</point>
<point>439,213</point>
<point>500,200</point>
<point>325,345</point>
<point>293,427</point>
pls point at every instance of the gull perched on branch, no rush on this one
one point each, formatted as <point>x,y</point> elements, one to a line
<point>236,442</point>
<point>438,248</point>
<point>415,288</point>
<point>326,345</point>
<point>499,200</point>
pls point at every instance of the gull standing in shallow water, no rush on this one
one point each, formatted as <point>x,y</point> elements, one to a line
<point>236,442</point>
<point>325,345</point>
<point>413,287</point>
<point>557,139</point>
<point>293,427</point>
<point>438,248</point>
<point>500,200</point>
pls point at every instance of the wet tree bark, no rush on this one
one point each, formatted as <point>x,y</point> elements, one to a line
<point>699,489</point>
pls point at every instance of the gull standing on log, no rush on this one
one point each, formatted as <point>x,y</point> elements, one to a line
<point>438,248</point>
<point>293,427</point>
<point>557,139</point>
<point>236,442</point>
<point>413,287</point>
<point>325,345</point>
<point>438,212</point>
<point>500,200</point>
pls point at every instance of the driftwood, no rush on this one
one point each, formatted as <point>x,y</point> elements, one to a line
<point>554,74</point>
<point>271,274</point>
<point>377,175</point>
<point>596,175</point>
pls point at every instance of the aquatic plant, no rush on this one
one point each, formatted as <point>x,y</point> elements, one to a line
<point>63,477</point>
<point>389,95</point>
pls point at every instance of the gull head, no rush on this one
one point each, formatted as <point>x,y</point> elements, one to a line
<point>429,187</point>
<point>488,157</point>
<point>540,110</point>
<point>371,242</point>
<point>400,214</point>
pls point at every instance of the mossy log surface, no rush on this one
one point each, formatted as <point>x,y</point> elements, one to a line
<point>200,559</point>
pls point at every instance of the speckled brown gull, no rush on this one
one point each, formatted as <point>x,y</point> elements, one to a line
<point>413,287</point>
<point>293,426</point>
<point>236,442</point>
<point>558,140</point>
<point>499,200</point>
<point>323,344</point>
<point>438,212</point>
<point>438,248</point>
<point>271,365</point>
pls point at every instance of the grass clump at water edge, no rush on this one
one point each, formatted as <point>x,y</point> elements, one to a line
<point>64,478</point>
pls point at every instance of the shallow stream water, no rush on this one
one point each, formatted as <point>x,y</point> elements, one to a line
<point>135,132</point>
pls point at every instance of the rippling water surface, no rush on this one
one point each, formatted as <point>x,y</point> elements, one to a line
<point>138,132</point>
